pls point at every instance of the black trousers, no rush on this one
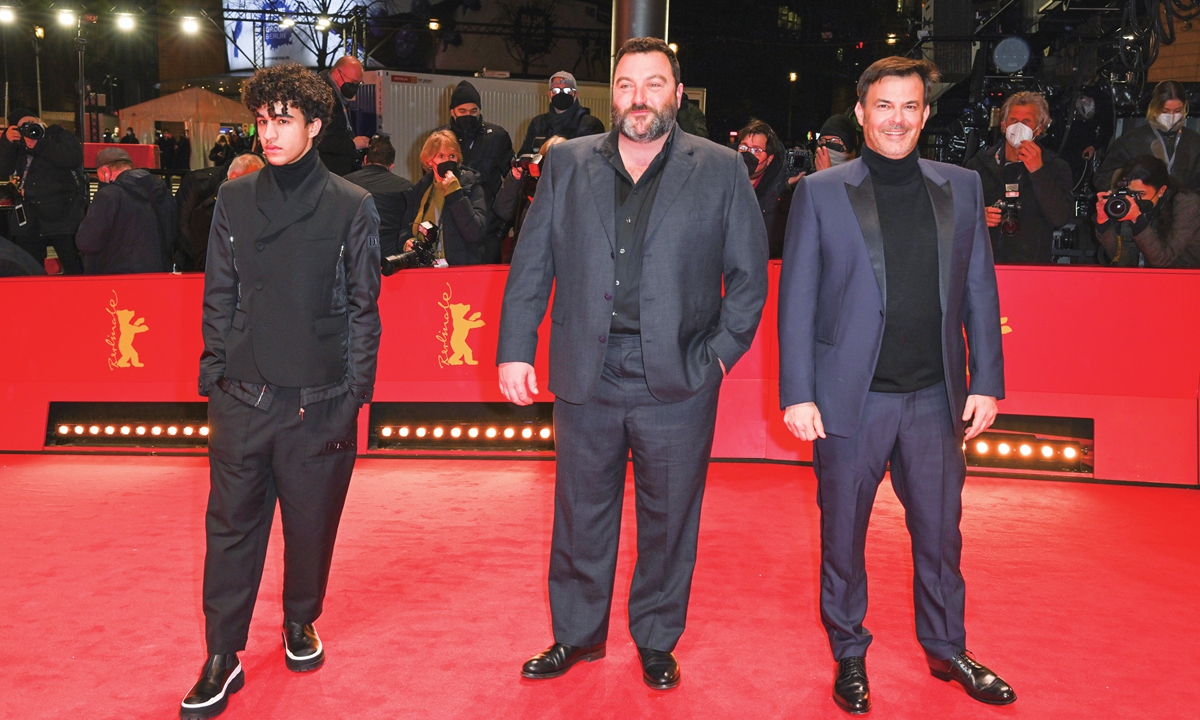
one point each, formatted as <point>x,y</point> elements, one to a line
<point>64,247</point>
<point>915,435</point>
<point>671,444</point>
<point>256,457</point>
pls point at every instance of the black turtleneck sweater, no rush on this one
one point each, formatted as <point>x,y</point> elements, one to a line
<point>291,176</point>
<point>910,357</point>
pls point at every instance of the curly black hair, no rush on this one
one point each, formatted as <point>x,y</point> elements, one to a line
<point>291,85</point>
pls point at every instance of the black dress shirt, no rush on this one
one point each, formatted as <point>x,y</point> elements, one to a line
<point>634,202</point>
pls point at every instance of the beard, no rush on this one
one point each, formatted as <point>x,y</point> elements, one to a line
<point>662,118</point>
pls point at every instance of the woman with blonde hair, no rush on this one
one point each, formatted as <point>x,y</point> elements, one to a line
<point>1163,136</point>
<point>450,197</point>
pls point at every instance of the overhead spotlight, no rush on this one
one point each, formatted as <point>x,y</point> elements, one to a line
<point>421,432</point>
<point>204,431</point>
<point>509,433</point>
<point>286,23</point>
<point>322,23</point>
<point>95,429</point>
<point>473,433</point>
<point>386,432</point>
<point>981,447</point>
<point>455,432</point>
<point>674,47</point>
<point>110,430</point>
<point>39,32</point>
<point>527,433</point>
<point>189,430</point>
<point>1047,451</point>
<point>1003,448</point>
<point>63,430</point>
<point>491,432</point>
<point>438,432</point>
<point>1026,450</point>
<point>891,39</point>
<point>1070,453</point>
<point>7,15</point>
<point>791,77</point>
<point>545,433</point>
<point>66,18</point>
<point>125,429</point>
<point>434,24</point>
<point>125,22</point>
<point>190,25</point>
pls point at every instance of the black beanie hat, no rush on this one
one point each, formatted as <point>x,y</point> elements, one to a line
<point>463,94</point>
<point>15,116</point>
<point>844,128</point>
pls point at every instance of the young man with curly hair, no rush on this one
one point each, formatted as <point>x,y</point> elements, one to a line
<point>291,333</point>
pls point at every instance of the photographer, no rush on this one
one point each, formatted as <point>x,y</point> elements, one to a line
<point>450,197</point>
<point>1161,218</point>
<point>566,117</point>
<point>487,148</point>
<point>48,162</point>
<point>516,194</point>
<point>1033,184</point>
<point>763,154</point>
<point>1164,137</point>
<point>837,143</point>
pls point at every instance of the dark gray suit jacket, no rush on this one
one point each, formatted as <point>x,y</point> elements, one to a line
<point>705,229</point>
<point>832,292</point>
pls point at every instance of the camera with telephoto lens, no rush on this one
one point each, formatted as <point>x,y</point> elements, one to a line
<point>1120,202</point>
<point>522,162</point>
<point>1010,215</point>
<point>32,130</point>
<point>423,253</point>
<point>797,161</point>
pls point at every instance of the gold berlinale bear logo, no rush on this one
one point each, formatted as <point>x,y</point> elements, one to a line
<point>456,324</point>
<point>120,339</point>
<point>1004,328</point>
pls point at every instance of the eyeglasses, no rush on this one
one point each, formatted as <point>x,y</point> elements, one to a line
<point>755,151</point>
<point>558,90</point>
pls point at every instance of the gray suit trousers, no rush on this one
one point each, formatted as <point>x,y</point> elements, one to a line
<point>915,435</point>
<point>671,444</point>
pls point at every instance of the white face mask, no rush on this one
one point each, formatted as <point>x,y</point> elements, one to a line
<point>1018,133</point>
<point>1169,120</point>
<point>837,158</point>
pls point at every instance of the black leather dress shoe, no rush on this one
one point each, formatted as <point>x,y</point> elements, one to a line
<point>302,647</point>
<point>557,659</point>
<point>660,669</point>
<point>220,677</point>
<point>851,691</point>
<point>979,682</point>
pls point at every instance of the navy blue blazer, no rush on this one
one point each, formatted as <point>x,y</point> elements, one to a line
<point>833,292</point>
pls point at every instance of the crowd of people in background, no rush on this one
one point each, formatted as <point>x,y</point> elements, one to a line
<point>476,190</point>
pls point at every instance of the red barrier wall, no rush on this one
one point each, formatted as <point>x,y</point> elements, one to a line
<point>1119,346</point>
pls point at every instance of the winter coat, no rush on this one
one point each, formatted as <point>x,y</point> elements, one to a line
<point>463,225</point>
<point>576,121</point>
<point>131,226</point>
<point>53,188</point>
<point>489,153</point>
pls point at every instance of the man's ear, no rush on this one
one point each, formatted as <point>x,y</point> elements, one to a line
<point>858,113</point>
<point>679,95</point>
<point>314,128</point>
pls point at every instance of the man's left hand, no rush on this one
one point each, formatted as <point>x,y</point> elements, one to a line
<point>984,409</point>
<point>1030,153</point>
<point>361,142</point>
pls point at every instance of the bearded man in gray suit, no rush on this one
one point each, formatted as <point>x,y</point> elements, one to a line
<point>637,231</point>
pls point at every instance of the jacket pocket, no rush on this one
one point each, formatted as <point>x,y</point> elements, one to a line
<point>331,325</point>
<point>239,320</point>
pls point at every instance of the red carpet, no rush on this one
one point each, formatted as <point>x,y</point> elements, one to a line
<point>1085,597</point>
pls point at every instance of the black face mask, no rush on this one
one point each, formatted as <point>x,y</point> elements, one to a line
<point>447,167</point>
<point>468,124</point>
<point>1144,206</point>
<point>751,162</point>
<point>349,89</point>
<point>562,101</point>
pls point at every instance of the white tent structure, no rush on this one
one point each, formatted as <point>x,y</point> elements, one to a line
<point>201,112</point>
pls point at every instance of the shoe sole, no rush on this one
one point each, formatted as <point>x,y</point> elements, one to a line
<point>303,665</point>
<point>218,707</point>
<point>947,677</point>
<point>590,657</point>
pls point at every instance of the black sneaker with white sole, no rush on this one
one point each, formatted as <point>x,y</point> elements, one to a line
<point>302,646</point>
<point>220,677</point>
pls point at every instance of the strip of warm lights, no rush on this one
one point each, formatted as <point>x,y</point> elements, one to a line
<point>126,430</point>
<point>474,433</point>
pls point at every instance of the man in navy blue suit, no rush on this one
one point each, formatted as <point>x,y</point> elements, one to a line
<point>886,261</point>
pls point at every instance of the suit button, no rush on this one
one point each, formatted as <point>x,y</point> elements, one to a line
<point>601,338</point>
<point>260,247</point>
<point>608,296</point>
<point>258,286</point>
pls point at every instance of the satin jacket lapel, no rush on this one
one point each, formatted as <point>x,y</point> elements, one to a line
<point>941,195</point>
<point>862,199</point>
<point>303,201</point>
<point>600,175</point>
<point>675,173</point>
